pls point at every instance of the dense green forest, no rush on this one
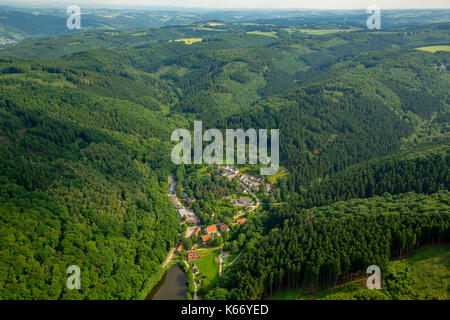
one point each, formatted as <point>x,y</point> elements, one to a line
<point>316,247</point>
<point>85,149</point>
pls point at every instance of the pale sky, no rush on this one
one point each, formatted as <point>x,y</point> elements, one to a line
<point>316,4</point>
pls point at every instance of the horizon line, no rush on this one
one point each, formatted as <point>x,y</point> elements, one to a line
<point>17,3</point>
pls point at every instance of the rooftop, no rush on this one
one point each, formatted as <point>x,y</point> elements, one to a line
<point>206,238</point>
<point>211,228</point>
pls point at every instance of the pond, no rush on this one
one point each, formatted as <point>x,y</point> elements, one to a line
<point>172,286</point>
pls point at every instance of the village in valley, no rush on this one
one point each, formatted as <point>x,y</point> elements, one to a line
<point>207,248</point>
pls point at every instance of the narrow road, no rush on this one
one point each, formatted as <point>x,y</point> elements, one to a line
<point>237,257</point>
<point>220,261</point>
<point>257,204</point>
<point>195,283</point>
<point>253,208</point>
<point>169,258</point>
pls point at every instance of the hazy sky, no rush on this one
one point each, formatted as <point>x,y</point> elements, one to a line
<point>317,4</point>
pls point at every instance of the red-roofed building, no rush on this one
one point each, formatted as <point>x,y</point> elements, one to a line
<point>196,232</point>
<point>240,221</point>
<point>211,229</point>
<point>224,227</point>
<point>193,255</point>
<point>206,238</point>
<point>180,247</point>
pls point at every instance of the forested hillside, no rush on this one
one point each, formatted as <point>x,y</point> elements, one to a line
<point>85,125</point>
<point>316,247</point>
<point>82,182</point>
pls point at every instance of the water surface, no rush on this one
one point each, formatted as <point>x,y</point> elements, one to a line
<point>172,286</point>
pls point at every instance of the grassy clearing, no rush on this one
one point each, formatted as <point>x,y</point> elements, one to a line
<point>139,34</point>
<point>201,171</point>
<point>434,49</point>
<point>208,267</point>
<point>274,178</point>
<point>428,277</point>
<point>255,171</point>
<point>214,24</point>
<point>190,41</point>
<point>329,31</point>
<point>249,170</point>
<point>429,270</point>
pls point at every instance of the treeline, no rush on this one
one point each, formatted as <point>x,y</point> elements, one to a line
<point>318,247</point>
<point>423,171</point>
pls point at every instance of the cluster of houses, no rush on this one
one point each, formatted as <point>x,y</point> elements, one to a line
<point>193,255</point>
<point>227,171</point>
<point>217,229</point>
<point>252,183</point>
<point>210,230</point>
<point>242,202</point>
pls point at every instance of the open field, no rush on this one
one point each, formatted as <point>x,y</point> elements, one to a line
<point>189,40</point>
<point>281,173</point>
<point>201,171</point>
<point>429,272</point>
<point>214,24</point>
<point>208,267</point>
<point>434,49</point>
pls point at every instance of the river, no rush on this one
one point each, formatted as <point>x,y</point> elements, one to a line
<point>172,286</point>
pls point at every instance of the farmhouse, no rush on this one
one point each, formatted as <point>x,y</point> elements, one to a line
<point>211,229</point>
<point>206,238</point>
<point>192,255</point>
<point>240,221</point>
<point>224,227</point>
